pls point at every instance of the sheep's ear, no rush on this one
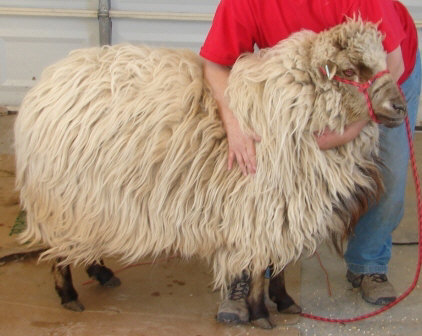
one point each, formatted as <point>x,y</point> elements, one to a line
<point>330,69</point>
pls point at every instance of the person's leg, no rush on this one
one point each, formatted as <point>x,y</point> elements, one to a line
<point>369,249</point>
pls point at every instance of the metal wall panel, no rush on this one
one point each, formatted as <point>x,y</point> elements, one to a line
<point>170,30</point>
<point>36,33</point>
<point>179,34</point>
<point>69,4</point>
<point>28,43</point>
<point>178,6</point>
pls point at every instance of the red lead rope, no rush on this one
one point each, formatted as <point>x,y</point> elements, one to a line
<point>363,88</point>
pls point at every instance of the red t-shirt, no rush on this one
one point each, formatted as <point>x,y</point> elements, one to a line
<point>240,24</point>
<point>409,45</point>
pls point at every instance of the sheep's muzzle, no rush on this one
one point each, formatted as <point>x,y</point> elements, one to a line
<point>389,103</point>
<point>385,101</point>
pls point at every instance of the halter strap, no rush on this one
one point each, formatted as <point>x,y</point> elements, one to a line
<point>363,87</point>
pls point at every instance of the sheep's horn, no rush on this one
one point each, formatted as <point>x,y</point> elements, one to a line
<point>327,71</point>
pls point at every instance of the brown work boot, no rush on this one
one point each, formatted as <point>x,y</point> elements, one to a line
<point>234,308</point>
<point>375,288</point>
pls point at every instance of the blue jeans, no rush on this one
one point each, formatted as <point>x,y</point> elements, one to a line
<point>369,249</point>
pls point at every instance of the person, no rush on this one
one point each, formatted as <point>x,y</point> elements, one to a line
<point>241,25</point>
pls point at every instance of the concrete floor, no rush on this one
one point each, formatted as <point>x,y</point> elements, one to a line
<point>174,297</point>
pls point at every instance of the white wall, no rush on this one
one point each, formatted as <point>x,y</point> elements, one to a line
<point>171,30</point>
<point>29,43</point>
<point>33,36</point>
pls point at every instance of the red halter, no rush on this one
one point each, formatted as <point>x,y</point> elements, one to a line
<point>363,87</point>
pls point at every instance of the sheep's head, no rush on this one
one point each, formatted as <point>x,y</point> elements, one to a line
<point>351,55</point>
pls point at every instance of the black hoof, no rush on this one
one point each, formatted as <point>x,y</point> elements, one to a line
<point>75,306</point>
<point>262,323</point>
<point>233,312</point>
<point>112,282</point>
<point>292,309</point>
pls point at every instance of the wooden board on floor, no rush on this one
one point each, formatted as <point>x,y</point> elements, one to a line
<point>9,205</point>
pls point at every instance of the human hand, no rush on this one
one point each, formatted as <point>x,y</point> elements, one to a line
<point>330,139</point>
<point>241,148</point>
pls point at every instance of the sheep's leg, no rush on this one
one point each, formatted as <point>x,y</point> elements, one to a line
<point>103,275</point>
<point>277,293</point>
<point>258,312</point>
<point>64,287</point>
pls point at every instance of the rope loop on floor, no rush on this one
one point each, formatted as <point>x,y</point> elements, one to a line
<point>418,269</point>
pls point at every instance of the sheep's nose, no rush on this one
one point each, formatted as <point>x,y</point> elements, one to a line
<point>400,108</point>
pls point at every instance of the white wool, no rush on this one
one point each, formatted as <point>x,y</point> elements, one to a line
<point>120,152</point>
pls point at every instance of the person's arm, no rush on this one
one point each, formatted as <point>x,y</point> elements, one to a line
<point>395,63</point>
<point>329,139</point>
<point>241,146</point>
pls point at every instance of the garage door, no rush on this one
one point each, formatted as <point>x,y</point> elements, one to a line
<point>36,33</point>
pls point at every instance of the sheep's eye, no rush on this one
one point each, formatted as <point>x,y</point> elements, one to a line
<point>349,72</point>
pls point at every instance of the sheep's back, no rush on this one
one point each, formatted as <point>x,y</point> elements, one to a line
<point>110,146</point>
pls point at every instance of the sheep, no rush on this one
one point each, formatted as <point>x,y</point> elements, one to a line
<point>120,152</point>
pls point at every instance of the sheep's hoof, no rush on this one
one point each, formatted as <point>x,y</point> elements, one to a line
<point>233,311</point>
<point>112,282</point>
<point>292,309</point>
<point>262,323</point>
<point>74,306</point>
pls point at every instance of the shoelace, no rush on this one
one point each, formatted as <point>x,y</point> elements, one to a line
<point>239,289</point>
<point>357,280</point>
<point>378,277</point>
